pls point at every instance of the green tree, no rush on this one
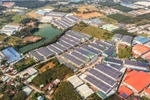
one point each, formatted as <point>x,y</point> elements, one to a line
<point>125,52</point>
<point>65,92</point>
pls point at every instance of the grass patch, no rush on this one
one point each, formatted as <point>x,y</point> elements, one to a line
<point>17,18</point>
<point>93,31</point>
<point>124,32</point>
<point>109,4</point>
<point>108,20</point>
<point>23,64</point>
<point>119,17</point>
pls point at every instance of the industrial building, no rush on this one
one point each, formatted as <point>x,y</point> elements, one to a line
<point>12,56</point>
<point>138,50</point>
<point>65,22</point>
<point>117,37</point>
<point>136,82</point>
<point>10,29</point>
<point>136,65</point>
<point>126,40</point>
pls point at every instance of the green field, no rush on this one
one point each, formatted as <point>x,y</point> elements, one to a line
<point>93,31</point>
<point>119,17</point>
<point>109,4</point>
<point>108,20</point>
<point>122,8</point>
<point>17,18</point>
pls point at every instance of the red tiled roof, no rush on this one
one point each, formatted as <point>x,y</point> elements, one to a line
<point>147,90</point>
<point>138,80</point>
<point>141,49</point>
<point>124,90</point>
<point>146,56</point>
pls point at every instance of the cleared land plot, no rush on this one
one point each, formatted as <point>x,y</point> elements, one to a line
<point>86,8</point>
<point>88,15</point>
<point>31,39</point>
<point>47,66</point>
<point>31,14</point>
<point>8,4</point>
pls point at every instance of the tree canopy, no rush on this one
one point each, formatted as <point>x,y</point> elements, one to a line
<point>125,52</point>
<point>21,95</point>
<point>65,92</point>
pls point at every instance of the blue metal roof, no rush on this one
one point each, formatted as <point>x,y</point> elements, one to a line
<point>11,54</point>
